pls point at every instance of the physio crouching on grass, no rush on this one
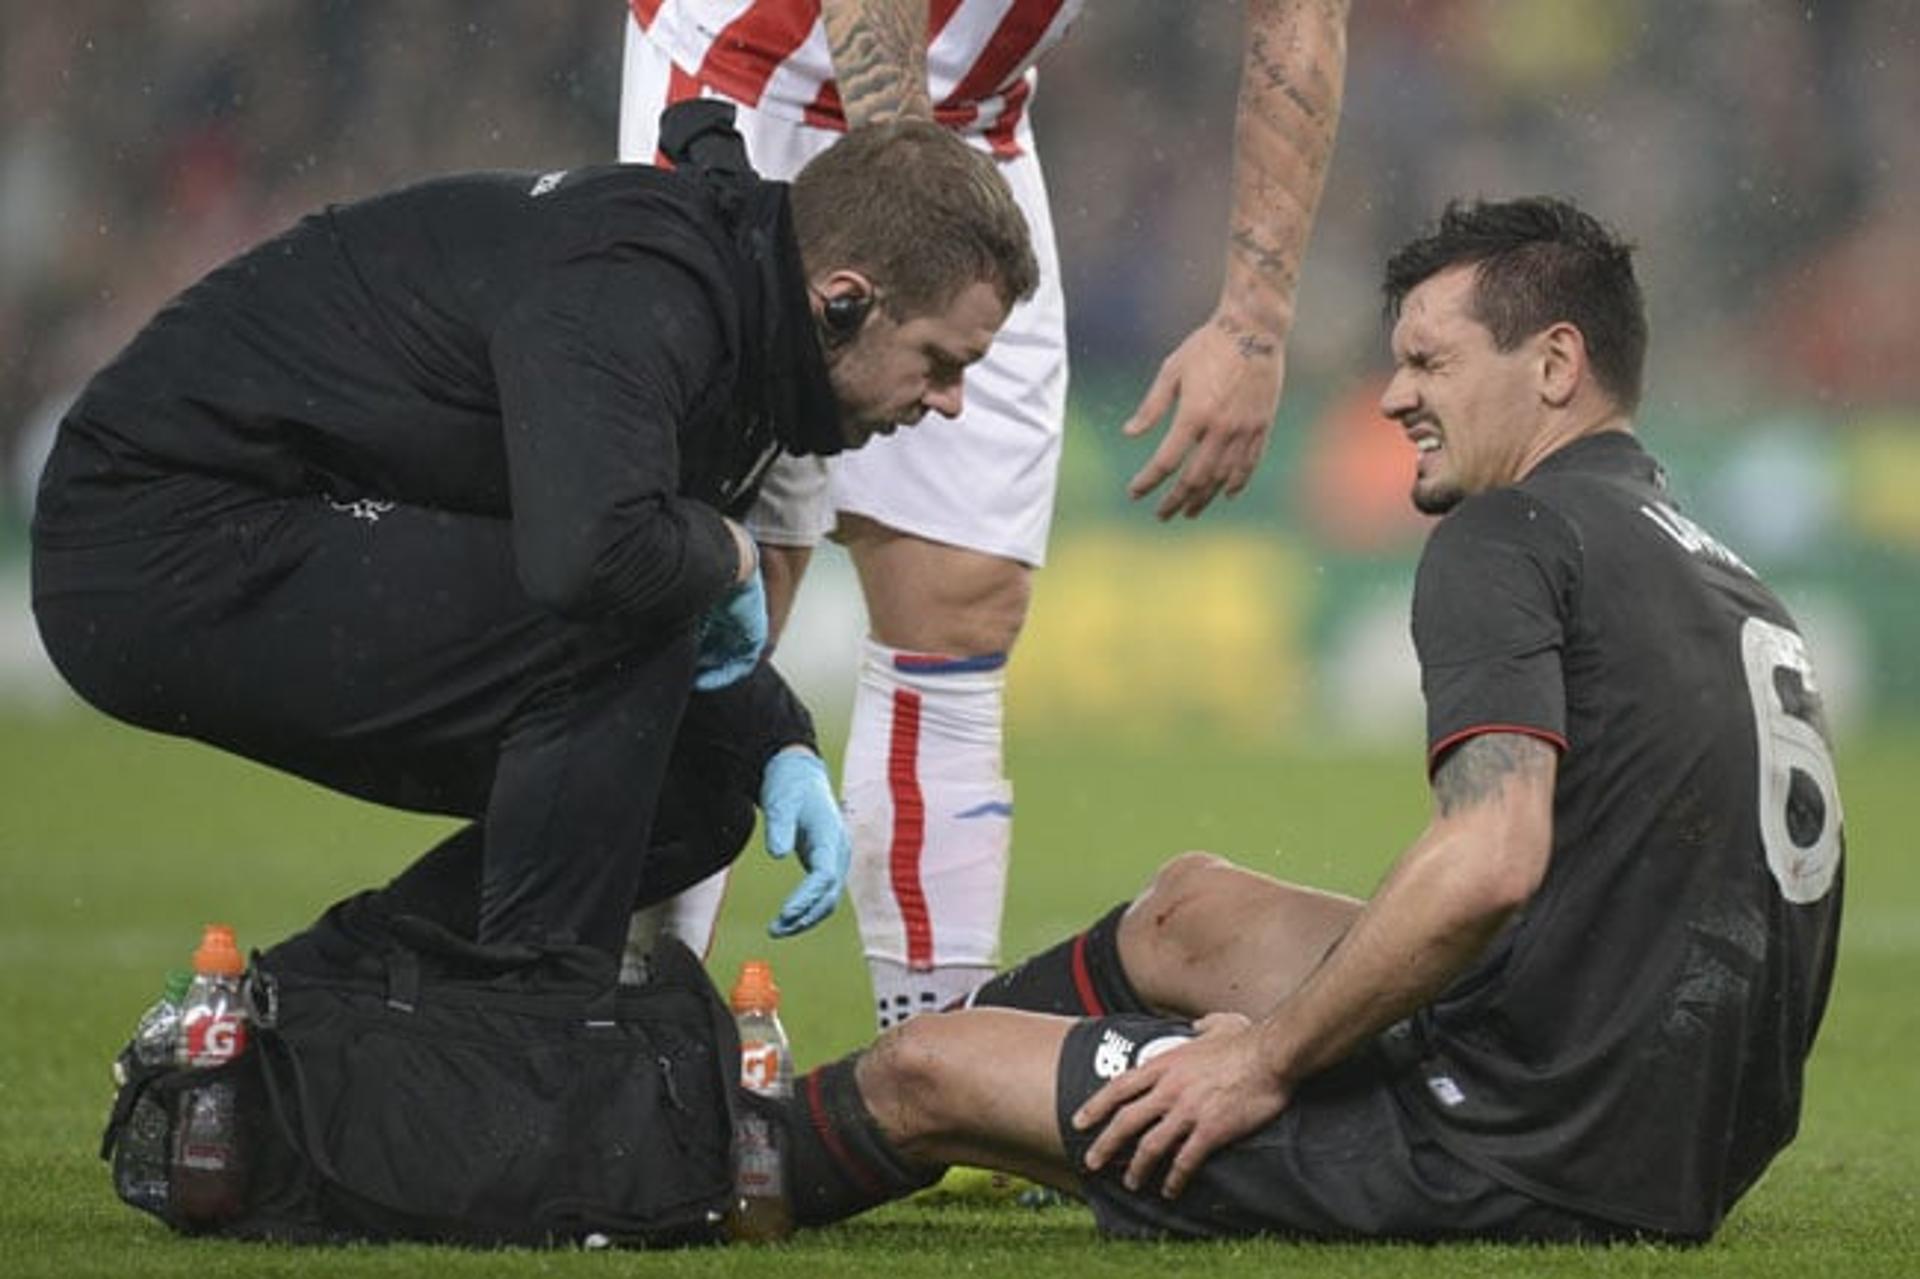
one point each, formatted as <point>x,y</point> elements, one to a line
<point>432,500</point>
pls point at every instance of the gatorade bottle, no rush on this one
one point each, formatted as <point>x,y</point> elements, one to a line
<point>209,1167</point>
<point>760,1209</point>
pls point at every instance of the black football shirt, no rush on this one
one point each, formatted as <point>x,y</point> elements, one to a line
<point>1632,1044</point>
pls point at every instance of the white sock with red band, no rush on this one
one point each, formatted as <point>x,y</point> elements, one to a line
<point>930,812</point>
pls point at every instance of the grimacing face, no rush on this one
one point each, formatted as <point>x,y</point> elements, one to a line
<point>894,372</point>
<point>1471,411</point>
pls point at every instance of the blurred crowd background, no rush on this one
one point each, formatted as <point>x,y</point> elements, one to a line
<point>1763,154</point>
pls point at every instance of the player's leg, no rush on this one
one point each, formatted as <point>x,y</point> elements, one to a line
<point>1209,936</point>
<point>945,525</point>
<point>975,1088</point>
<point>1205,936</point>
<point>929,806</point>
<point>703,819</point>
<point>995,1088</point>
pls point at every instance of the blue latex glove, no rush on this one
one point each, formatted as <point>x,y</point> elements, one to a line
<point>732,635</point>
<point>802,813</point>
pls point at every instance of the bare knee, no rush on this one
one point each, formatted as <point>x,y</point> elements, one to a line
<point>1172,932</point>
<point>1188,872</point>
<point>1210,936</point>
<point>1177,898</point>
<point>901,1080</point>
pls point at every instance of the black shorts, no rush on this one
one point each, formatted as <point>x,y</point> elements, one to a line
<point>1344,1161</point>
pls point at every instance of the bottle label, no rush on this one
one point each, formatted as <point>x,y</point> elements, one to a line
<point>758,1174</point>
<point>206,1156</point>
<point>213,1039</point>
<point>760,1066</point>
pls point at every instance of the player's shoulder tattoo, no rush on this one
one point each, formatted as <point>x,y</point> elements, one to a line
<point>1479,768</point>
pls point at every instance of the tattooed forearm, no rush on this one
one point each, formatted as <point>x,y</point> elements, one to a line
<point>1269,259</point>
<point>1291,81</point>
<point>1479,768</point>
<point>879,52</point>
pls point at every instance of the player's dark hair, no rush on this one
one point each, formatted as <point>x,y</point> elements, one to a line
<point>918,211</point>
<point>1541,262</point>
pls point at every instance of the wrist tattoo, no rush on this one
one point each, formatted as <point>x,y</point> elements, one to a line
<point>1268,260</point>
<point>1252,344</point>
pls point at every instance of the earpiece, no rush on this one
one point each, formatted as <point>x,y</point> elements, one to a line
<point>843,314</point>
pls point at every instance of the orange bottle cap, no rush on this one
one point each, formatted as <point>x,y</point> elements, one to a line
<point>755,989</point>
<point>219,954</point>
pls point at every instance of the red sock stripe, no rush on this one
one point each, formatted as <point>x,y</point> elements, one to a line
<point>823,1127</point>
<point>909,827</point>
<point>1083,980</point>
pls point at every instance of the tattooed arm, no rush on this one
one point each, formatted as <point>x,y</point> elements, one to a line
<point>1480,858</point>
<point>879,52</point>
<point>1225,378</point>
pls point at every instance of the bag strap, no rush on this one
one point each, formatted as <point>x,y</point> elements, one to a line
<point>296,1130</point>
<point>139,1080</point>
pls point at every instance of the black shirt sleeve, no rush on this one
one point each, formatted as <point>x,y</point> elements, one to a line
<point>599,367</point>
<point>739,727</point>
<point>1490,604</point>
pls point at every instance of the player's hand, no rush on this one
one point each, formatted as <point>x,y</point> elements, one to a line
<point>1184,1105</point>
<point>733,634</point>
<point>1223,386</point>
<point>802,814</point>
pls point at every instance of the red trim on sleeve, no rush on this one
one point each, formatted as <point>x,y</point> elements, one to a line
<point>1452,740</point>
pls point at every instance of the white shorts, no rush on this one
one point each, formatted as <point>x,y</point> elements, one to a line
<point>984,481</point>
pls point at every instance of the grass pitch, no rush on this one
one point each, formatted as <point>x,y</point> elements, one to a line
<point>116,845</point>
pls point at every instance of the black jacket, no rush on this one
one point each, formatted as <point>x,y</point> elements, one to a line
<point>609,357</point>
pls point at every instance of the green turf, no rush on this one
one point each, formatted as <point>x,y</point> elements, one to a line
<point>115,845</point>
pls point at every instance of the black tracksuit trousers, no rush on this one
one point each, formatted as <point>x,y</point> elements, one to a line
<point>390,652</point>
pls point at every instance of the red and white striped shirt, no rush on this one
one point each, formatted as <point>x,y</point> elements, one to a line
<point>773,55</point>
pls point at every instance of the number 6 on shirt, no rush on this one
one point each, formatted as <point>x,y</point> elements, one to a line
<point>1800,817</point>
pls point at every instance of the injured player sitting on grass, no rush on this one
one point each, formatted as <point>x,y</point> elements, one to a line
<point>1578,1006</point>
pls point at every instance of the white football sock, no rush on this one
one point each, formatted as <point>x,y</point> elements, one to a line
<point>899,992</point>
<point>930,813</point>
<point>690,917</point>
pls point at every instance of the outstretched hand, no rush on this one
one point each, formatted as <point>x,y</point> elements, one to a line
<point>1184,1104</point>
<point>1223,386</point>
